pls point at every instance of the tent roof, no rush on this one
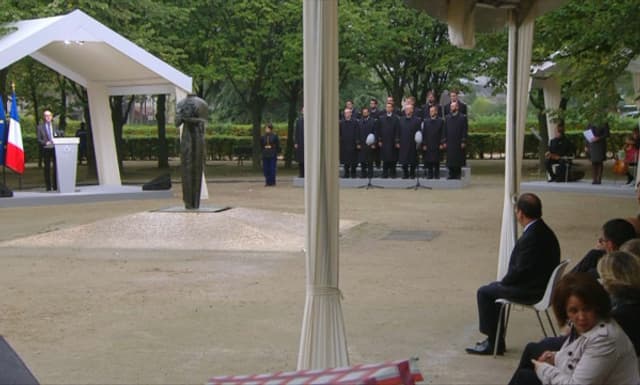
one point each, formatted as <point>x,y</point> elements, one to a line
<point>86,51</point>
<point>489,15</point>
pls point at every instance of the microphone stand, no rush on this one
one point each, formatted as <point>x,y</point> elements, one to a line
<point>370,173</point>
<point>418,185</point>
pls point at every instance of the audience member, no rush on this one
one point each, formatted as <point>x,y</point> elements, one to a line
<point>597,351</point>
<point>620,272</point>
<point>620,275</point>
<point>534,256</point>
<point>614,233</point>
<point>631,246</point>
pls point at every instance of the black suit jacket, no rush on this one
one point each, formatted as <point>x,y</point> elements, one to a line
<point>535,255</point>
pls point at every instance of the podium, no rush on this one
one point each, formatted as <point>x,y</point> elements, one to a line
<point>66,163</point>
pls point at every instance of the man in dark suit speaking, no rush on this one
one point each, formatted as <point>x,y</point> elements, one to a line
<point>535,255</point>
<point>45,133</point>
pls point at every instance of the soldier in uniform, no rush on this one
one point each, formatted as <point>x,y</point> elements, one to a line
<point>270,148</point>
<point>455,138</point>
<point>349,141</point>
<point>408,154</point>
<point>389,141</point>
<point>432,135</point>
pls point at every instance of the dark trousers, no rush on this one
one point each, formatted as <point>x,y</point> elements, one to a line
<point>455,172</point>
<point>49,157</point>
<point>388,169</point>
<point>350,170</point>
<point>489,310</point>
<point>432,169</point>
<point>301,169</point>
<point>366,170</point>
<point>269,169</point>
<point>597,170</point>
<point>562,169</point>
<point>408,170</point>
<point>525,373</point>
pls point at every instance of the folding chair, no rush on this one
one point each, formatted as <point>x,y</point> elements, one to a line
<point>542,305</point>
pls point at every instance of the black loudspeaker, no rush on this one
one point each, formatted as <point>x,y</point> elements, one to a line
<point>13,371</point>
<point>5,192</point>
<point>163,182</point>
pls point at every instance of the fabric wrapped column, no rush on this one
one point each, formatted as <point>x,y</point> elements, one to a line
<point>323,342</point>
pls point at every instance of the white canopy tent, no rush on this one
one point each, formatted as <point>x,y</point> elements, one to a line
<point>323,341</point>
<point>104,62</point>
<point>464,17</point>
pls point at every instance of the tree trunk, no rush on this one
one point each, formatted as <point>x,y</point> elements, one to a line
<point>161,118</point>
<point>118,118</point>
<point>537,99</point>
<point>62,120</point>
<point>294,96</point>
<point>3,83</point>
<point>91,154</point>
<point>256,120</point>
<point>33,91</point>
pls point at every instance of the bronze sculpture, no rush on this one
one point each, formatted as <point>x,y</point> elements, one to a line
<point>193,112</point>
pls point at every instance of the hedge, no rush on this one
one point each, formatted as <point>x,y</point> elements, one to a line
<point>224,140</point>
<point>480,145</point>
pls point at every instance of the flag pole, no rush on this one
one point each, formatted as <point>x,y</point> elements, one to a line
<point>13,95</point>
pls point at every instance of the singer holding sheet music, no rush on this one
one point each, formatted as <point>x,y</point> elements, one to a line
<point>598,150</point>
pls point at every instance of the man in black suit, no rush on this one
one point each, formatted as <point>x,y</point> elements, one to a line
<point>535,255</point>
<point>453,96</point>
<point>389,141</point>
<point>559,147</point>
<point>456,130</point>
<point>45,134</point>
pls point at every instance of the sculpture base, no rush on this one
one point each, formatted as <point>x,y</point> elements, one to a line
<point>202,209</point>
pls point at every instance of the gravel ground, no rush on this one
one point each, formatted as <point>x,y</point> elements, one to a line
<point>121,303</point>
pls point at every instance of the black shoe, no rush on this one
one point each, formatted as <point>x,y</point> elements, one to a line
<point>385,176</point>
<point>485,348</point>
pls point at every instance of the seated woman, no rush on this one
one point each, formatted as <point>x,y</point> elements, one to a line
<point>620,276</point>
<point>597,350</point>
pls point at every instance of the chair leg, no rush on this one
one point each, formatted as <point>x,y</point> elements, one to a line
<point>551,324</point>
<point>507,316</point>
<point>495,343</point>
<point>541,325</point>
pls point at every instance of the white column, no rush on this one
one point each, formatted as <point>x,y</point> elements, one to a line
<point>552,97</point>
<point>323,338</point>
<point>104,142</point>
<point>204,190</point>
<point>520,40</point>
<point>636,91</point>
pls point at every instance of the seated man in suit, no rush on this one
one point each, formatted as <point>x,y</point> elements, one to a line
<point>560,147</point>
<point>534,256</point>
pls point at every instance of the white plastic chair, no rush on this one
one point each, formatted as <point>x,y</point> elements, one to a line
<point>542,305</point>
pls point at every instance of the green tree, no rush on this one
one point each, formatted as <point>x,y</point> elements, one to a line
<point>246,52</point>
<point>593,42</point>
<point>408,50</point>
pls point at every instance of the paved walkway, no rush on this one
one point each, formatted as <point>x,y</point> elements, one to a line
<point>102,310</point>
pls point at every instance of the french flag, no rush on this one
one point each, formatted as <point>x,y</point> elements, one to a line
<point>15,150</point>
